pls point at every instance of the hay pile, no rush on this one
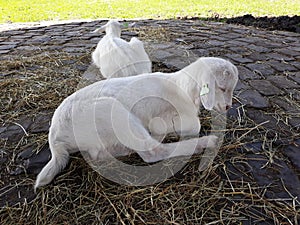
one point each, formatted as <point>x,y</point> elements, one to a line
<point>81,196</point>
<point>34,84</point>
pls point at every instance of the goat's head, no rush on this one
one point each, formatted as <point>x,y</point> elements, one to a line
<point>111,27</point>
<point>218,81</point>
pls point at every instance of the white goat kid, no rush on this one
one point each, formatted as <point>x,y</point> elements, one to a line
<point>121,115</point>
<point>116,57</point>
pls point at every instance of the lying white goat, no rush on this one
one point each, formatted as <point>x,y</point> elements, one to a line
<point>121,115</point>
<point>116,57</point>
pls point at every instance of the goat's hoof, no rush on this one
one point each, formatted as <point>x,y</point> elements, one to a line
<point>210,141</point>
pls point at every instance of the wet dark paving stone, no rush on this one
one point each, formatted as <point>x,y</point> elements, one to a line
<point>275,178</point>
<point>274,128</point>
<point>15,131</point>
<point>293,153</point>
<point>265,87</point>
<point>254,99</point>
<point>295,77</point>
<point>261,68</point>
<point>32,162</point>
<point>280,180</point>
<point>282,82</point>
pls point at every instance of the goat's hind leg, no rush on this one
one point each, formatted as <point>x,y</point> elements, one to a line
<point>130,131</point>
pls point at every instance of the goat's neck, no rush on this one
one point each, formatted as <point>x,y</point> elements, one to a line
<point>113,35</point>
<point>113,32</point>
<point>187,80</point>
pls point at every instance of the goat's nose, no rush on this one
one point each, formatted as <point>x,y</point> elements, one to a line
<point>228,107</point>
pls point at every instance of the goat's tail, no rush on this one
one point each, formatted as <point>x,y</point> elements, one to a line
<point>59,160</point>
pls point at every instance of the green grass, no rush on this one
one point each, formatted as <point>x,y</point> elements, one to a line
<point>41,10</point>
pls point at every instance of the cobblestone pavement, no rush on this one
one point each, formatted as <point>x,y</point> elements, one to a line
<point>268,91</point>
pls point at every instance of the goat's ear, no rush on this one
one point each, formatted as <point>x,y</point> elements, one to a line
<point>128,25</point>
<point>100,30</point>
<point>132,24</point>
<point>207,92</point>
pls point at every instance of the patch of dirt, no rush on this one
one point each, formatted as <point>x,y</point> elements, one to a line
<point>285,23</point>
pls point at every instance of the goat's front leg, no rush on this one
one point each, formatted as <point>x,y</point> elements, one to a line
<point>181,148</point>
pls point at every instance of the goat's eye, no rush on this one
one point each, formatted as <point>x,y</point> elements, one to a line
<point>223,89</point>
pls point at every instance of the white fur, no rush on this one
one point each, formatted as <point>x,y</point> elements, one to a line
<point>119,115</point>
<point>116,57</point>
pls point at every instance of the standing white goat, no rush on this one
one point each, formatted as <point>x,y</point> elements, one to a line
<point>121,115</point>
<point>116,57</point>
